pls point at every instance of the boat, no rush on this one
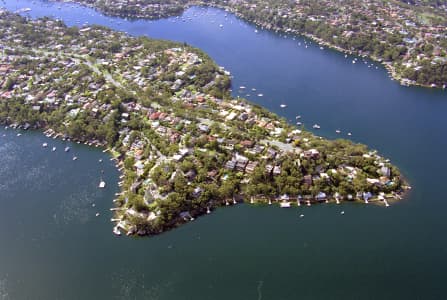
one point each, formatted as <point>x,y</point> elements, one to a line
<point>316,126</point>
<point>116,231</point>
<point>242,87</point>
<point>97,214</point>
<point>54,149</point>
<point>100,160</point>
<point>283,105</point>
<point>256,31</point>
<point>67,149</point>
<point>221,26</point>
<point>337,131</point>
<point>301,216</point>
<point>44,145</point>
<point>260,95</point>
<point>102,184</point>
<point>285,204</point>
<point>342,212</point>
<point>75,157</point>
<point>349,133</point>
<point>299,123</point>
<point>298,117</point>
<point>19,134</point>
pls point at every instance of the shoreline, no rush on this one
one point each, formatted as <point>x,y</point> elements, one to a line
<point>388,65</point>
<point>160,188</point>
<point>391,70</point>
<point>130,229</point>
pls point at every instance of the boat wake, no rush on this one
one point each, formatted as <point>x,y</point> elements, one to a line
<point>4,295</point>
<point>260,283</point>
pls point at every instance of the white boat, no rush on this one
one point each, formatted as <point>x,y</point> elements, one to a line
<point>19,134</point>
<point>116,231</point>
<point>67,149</point>
<point>242,87</point>
<point>260,95</point>
<point>44,145</point>
<point>221,26</point>
<point>97,214</point>
<point>316,126</point>
<point>100,160</point>
<point>256,31</point>
<point>54,149</point>
<point>75,157</point>
<point>285,204</point>
<point>342,212</point>
<point>299,123</point>
<point>349,133</point>
<point>283,105</point>
<point>337,131</point>
<point>298,117</point>
<point>102,184</point>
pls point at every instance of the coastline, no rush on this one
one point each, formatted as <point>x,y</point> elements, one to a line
<point>261,151</point>
<point>391,70</point>
<point>130,229</point>
<point>388,65</point>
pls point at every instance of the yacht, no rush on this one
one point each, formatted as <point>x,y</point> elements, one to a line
<point>116,231</point>
<point>102,184</point>
<point>316,126</point>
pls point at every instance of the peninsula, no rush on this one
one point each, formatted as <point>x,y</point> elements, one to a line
<point>164,111</point>
<point>408,37</point>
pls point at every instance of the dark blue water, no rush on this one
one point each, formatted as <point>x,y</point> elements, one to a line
<point>242,252</point>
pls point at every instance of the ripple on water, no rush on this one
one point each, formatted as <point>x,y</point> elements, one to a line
<point>4,295</point>
<point>133,284</point>
<point>76,208</point>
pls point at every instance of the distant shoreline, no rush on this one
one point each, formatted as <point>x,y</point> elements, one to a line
<point>391,70</point>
